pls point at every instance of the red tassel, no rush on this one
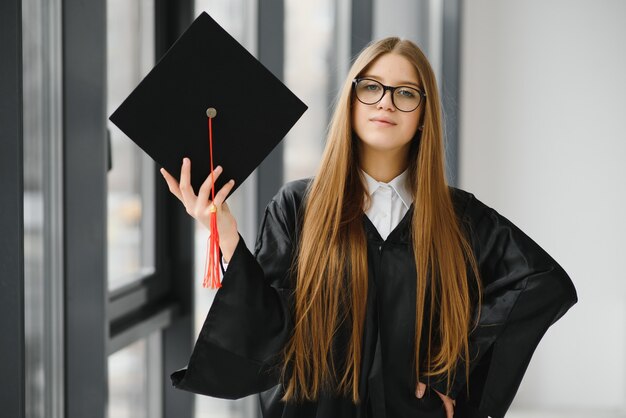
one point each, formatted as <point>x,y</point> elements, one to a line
<point>212,261</point>
<point>212,268</point>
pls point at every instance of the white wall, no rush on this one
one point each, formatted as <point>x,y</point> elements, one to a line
<point>543,122</point>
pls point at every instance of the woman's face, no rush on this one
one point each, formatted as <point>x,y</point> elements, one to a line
<point>380,126</point>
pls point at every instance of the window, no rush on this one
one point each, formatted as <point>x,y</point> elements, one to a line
<point>134,375</point>
<point>309,72</point>
<point>130,228</point>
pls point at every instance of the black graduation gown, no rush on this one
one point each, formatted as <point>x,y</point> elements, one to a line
<point>524,292</point>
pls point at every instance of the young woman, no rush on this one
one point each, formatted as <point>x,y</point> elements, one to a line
<point>375,288</point>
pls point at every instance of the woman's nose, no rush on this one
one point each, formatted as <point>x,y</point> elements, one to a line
<point>386,102</point>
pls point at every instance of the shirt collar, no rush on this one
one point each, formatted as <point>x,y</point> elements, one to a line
<point>400,184</point>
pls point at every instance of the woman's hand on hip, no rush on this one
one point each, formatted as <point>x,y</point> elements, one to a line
<point>199,207</point>
<point>448,402</point>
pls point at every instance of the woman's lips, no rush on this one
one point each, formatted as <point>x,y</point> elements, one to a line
<point>382,122</point>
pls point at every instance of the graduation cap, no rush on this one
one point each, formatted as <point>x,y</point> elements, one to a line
<point>210,100</point>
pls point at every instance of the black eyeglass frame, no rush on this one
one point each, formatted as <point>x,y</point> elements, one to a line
<point>392,90</point>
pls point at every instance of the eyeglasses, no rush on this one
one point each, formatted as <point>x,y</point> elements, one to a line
<point>404,98</point>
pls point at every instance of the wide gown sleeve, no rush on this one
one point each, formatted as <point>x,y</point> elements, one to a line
<point>524,292</point>
<point>236,353</point>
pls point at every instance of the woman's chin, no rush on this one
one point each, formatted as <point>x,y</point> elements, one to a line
<point>382,145</point>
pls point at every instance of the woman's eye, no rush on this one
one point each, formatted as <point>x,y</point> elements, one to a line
<point>408,93</point>
<point>372,87</point>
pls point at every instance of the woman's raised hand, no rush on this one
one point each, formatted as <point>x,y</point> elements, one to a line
<point>199,206</point>
<point>448,402</point>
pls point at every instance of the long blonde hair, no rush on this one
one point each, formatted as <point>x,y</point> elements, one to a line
<point>330,266</point>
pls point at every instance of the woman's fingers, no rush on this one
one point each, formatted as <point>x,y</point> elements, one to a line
<point>204,194</point>
<point>448,403</point>
<point>198,207</point>
<point>419,391</point>
<point>223,193</point>
<point>186,190</point>
<point>172,184</point>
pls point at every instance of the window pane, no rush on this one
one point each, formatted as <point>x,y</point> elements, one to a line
<point>135,380</point>
<point>43,210</point>
<point>130,55</point>
<point>308,54</point>
<point>128,394</point>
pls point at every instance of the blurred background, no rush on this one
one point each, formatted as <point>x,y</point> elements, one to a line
<point>101,269</point>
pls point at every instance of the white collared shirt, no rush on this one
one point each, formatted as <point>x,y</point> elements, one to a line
<point>390,202</point>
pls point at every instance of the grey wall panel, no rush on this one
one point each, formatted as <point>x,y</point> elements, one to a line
<point>450,70</point>
<point>84,92</point>
<point>362,25</point>
<point>11,211</point>
<point>271,50</point>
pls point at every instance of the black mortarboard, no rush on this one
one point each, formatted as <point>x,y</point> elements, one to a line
<point>166,115</point>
